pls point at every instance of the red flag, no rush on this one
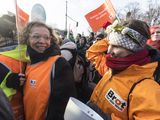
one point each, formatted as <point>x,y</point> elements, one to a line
<point>111,10</point>
<point>102,16</point>
<point>22,18</point>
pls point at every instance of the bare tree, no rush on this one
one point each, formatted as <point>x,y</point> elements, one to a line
<point>132,10</point>
<point>153,13</point>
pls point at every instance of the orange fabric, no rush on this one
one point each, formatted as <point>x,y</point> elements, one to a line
<point>111,10</point>
<point>16,101</point>
<point>100,16</point>
<point>96,54</point>
<point>17,106</point>
<point>111,93</point>
<point>37,89</point>
<point>21,17</point>
<point>13,64</point>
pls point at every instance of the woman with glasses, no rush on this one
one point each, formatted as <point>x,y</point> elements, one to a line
<point>49,77</point>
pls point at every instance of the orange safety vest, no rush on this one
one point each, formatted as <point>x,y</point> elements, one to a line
<point>16,100</point>
<point>37,89</point>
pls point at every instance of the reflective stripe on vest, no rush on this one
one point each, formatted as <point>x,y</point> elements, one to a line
<point>14,96</point>
<point>9,92</point>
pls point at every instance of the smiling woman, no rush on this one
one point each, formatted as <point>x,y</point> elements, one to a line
<point>40,39</point>
<point>48,75</point>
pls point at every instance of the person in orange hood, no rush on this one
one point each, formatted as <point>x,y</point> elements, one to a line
<point>155,37</point>
<point>127,90</point>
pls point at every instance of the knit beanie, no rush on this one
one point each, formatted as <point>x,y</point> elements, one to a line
<point>132,35</point>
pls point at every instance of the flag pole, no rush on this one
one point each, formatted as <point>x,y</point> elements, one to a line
<point>19,49</point>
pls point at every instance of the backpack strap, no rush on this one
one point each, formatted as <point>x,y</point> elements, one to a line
<point>131,90</point>
<point>157,73</point>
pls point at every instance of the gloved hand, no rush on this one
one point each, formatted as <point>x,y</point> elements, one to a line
<point>15,80</point>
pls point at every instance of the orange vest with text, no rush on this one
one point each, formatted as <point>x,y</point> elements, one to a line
<point>37,89</point>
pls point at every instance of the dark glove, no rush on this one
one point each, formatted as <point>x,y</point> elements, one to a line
<point>13,81</point>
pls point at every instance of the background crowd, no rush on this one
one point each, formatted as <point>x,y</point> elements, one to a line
<point>41,68</point>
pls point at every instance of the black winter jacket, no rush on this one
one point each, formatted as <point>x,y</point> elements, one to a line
<point>62,85</point>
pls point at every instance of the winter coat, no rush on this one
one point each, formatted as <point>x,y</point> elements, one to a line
<point>56,88</point>
<point>112,94</point>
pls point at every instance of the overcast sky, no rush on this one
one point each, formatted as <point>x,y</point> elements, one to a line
<point>55,10</point>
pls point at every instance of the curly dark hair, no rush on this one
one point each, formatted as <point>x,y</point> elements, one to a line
<point>24,35</point>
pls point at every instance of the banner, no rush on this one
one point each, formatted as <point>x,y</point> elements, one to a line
<point>111,10</point>
<point>22,18</point>
<point>102,16</point>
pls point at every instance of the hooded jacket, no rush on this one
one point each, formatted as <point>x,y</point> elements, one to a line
<point>112,95</point>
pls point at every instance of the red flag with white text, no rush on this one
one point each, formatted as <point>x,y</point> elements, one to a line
<point>101,16</point>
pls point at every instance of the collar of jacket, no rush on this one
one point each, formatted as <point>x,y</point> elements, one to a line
<point>36,57</point>
<point>139,72</point>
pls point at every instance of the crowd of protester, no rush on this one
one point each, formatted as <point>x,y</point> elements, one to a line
<point>118,79</point>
